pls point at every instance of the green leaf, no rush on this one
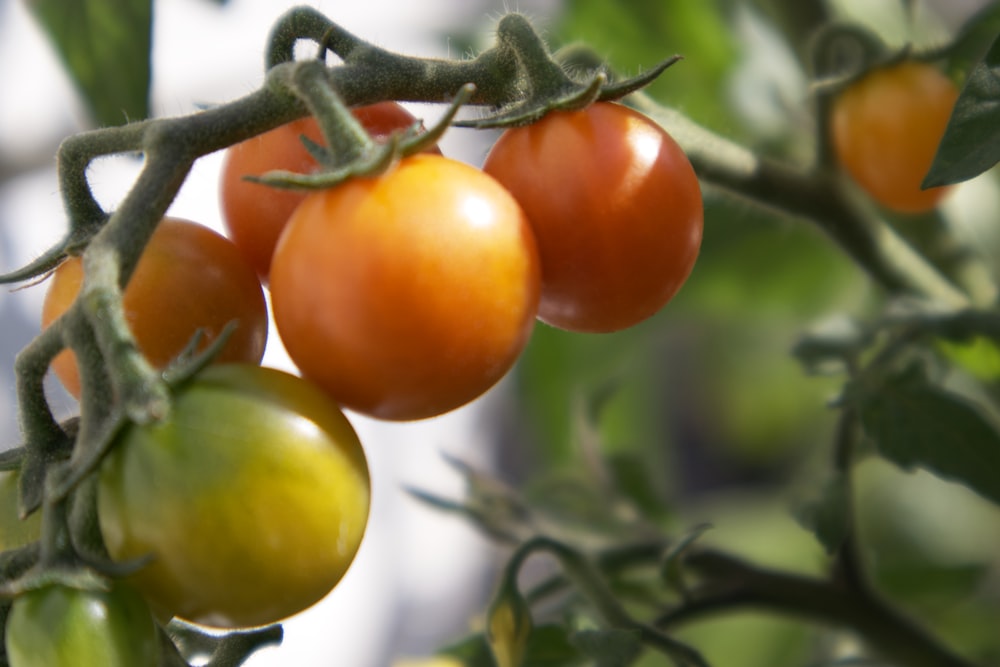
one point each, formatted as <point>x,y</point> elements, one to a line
<point>827,516</point>
<point>973,40</point>
<point>915,425</point>
<point>548,646</point>
<point>609,648</point>
<point>971,142</point>
<point>105,46</point>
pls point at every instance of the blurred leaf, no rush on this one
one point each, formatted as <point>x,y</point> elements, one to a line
<point>971,142</point>
<point>980,357</point>
<point>609,648</point>
<point>105,46</point>
<point>633,35</point>
<point>827,516</point>
<point>633,480</point>
<point>973,40</point>
<point>919,580</point>
<point>915,424</point>
<point>472,652</point>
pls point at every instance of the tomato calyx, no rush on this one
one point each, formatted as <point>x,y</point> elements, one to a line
<point>352,151</point>
<point>549,86</point>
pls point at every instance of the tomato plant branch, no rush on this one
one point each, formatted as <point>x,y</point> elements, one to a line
<point>588,581</point>
<point>731,584</point>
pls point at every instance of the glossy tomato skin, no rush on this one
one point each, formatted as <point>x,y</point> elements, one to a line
<point>252,496</point>
<point>59,626</point>
<point>615,206</point>
<point>886,128</point>
<point>410,294</point>
<point>188,278</point>
<point>14,532</point>
<point>255,214</point>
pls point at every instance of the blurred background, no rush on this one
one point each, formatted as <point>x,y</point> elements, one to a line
<point>704,397</point>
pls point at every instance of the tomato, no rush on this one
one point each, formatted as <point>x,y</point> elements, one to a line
<point>188,278</point>
<point>410,294</point>
<point>14,532</point>
<point>252,497</point>
<point>615,206</point>
<point>886,128</point>
<point>59,626</point>
<point>255,214</point>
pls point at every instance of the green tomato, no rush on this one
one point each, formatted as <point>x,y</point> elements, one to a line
<point>59,626</point>
<point>251,496</point>
<point>14,532</point>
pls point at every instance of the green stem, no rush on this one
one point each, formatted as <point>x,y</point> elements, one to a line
<point>731,584</point>
<point>588,580</point>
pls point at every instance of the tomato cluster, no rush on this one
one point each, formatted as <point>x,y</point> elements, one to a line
<point>402,296</point>
<point>409,294</point>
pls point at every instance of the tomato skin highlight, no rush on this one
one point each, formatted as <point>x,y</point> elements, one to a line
<point>410,294</point>
<point>615,206</point>
<point>255,214</point>
<point>886,128</point>
<point>252,497</point>
<point>58,626</point>
<point>188,278</point>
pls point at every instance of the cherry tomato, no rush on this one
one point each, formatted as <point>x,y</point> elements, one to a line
<point>252,497</point>
<point>410,294</point>
<point>615,206</point>
<point>886,130</point>
<point>188,278</point>
<point>59,626</point>
<point>255,214</point>
<point>13,531</point>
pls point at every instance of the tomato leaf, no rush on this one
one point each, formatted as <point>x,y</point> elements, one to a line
<point>827,515</point>
<point>548,646</point>
<point>609,648</point>
<point>971,142</point>
<point>973,40</point>
<point>917,425</point>
<point>105,46</point>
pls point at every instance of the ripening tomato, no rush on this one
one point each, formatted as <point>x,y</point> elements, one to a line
<point>13,531</point>
<point>255,214</point>
<point>408,294</point>
<point>252,497</point>
<point>60,626</point>
<point>615,206</point>
<point>188,278</point>
<point>886,129</point>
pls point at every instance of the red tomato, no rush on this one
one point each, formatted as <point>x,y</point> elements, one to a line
<point>886,130</point>
<point>615,206</point>
<point>254,213</point>
<point>408,294</point>
<point>188,278</point>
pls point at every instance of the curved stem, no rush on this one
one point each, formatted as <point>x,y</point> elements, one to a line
<point>732,584</point>
<point>590,583</point>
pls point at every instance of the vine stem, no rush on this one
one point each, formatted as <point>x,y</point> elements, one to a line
<point>591,584</point>
<point>733,584</point>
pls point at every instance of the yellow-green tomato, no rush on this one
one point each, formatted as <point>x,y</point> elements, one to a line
<point>59,626</point>
<point>251,497</point>
<point>14,532</point>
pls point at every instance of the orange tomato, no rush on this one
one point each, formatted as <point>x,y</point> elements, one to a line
<point>188,278</point>
<point>408,294</point>
<point>255,214</point>
<point>615,206</point>
<point>886,128</point>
